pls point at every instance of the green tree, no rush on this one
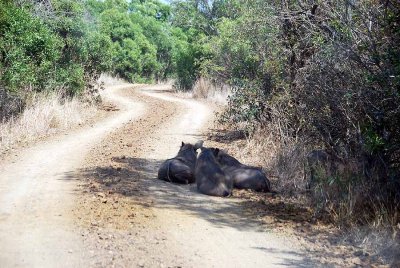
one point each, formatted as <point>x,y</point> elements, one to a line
<point>28,49</point>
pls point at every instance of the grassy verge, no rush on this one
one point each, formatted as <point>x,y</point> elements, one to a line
<point>331,209</point>
<point>205,89</point>
<point>45,113</point>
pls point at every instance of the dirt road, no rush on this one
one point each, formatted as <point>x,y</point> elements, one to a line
<point>90,198</point>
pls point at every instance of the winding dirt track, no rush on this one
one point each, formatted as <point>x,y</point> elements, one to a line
<point>43,211</point>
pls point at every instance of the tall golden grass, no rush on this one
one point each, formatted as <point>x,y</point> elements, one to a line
<point>45,113</point>
<point>206,89</point>
<point>109,80</point>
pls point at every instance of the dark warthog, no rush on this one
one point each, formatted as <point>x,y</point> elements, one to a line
<point>180,169</point>
<point>210,178</point>
<point>243,176</point>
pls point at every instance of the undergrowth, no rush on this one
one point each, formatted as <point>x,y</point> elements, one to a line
<point>44,113</point>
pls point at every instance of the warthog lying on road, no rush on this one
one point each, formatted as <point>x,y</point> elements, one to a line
<point>180,169</point>
<point>210,178</point>
<point>242,176</point>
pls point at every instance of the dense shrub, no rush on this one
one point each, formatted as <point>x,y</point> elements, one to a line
<point>28,49</point>
<point>50,46</point>
<point>326,75</point>
<point>68,43</point>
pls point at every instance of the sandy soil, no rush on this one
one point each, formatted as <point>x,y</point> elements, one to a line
<point>36,196</point>
<point>91,198</point>
<point>165,224</point>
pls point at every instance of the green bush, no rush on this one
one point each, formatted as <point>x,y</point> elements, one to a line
<point>325,74</point>
<point>51,48</point>
<point>28,50</point>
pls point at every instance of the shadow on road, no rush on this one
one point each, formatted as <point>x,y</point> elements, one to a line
<point>136,178</point>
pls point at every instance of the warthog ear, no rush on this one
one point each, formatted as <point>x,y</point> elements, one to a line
<point>183,144</point>
<point>198,144</point>
<point>215,151</point>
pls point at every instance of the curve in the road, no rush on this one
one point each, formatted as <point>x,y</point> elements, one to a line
<point>36,197</point>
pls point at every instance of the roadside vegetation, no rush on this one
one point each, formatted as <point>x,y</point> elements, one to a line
<point>309,76</point>
<point>52,54</point>
<point>301,76</point>
<point>44,114</point>
<point>48,45</point>
<point>315,89</point>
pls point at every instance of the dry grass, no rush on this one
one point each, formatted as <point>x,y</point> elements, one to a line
<point>44,114</point>
<point>381,244</point>
<point>109,80</point>
<point>205,89</point>
<point>170,82</point>
<point>283,159</point>
<point>341,197</point>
